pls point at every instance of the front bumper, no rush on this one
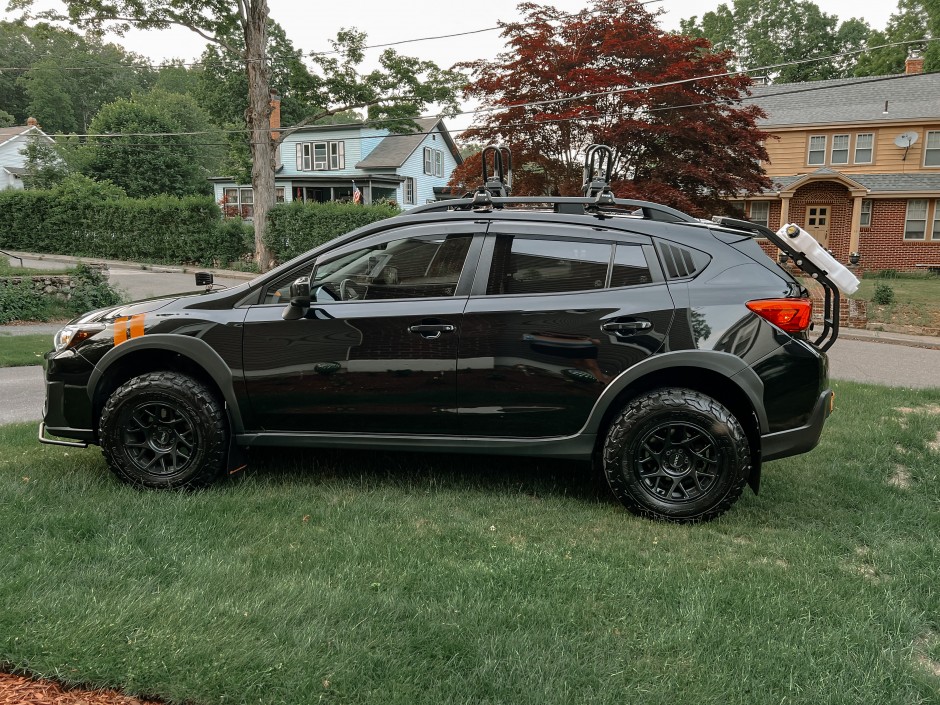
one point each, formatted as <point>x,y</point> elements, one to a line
<point>802,439</point>
<point>67,411</point>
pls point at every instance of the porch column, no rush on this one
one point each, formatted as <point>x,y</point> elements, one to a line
<point>856,223</point>
<point>784,215</point>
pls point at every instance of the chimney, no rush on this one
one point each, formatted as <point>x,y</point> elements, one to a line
<point>914,63</point>
<point>276,114</point>
<point>32,122</point>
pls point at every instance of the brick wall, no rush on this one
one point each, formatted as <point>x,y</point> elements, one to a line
<point>882,244</point>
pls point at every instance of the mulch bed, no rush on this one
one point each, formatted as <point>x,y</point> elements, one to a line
<point>18,690</point>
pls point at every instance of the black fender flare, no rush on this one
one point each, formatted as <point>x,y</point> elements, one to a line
<point>732,367</point>
<point>192,348</point>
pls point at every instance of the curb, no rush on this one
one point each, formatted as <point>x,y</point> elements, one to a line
<point>872,336</point>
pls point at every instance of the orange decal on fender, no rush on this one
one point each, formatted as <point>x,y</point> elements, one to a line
<point>120,330</point>
<point>137,325</point>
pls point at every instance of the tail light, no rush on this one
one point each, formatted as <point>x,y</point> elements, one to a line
<point>792,315</point>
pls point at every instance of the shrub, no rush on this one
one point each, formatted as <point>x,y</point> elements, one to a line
<point>90,291</point>
<point>84,218</point>
<point>884,294</point>
<point>294,228</point>
<point>20,302</point>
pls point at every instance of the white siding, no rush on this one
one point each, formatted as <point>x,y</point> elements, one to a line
<point>414,167</point>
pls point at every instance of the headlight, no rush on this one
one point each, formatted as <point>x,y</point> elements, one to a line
<point>70,336</point>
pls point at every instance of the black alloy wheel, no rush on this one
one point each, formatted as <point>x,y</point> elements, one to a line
<point>676,455</point>
<point>164,430</point>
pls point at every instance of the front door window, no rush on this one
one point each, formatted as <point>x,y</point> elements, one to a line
<point>817,223</point>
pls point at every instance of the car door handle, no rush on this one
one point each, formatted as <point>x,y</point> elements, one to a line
<point>432,331</point>
<point>626,327</point>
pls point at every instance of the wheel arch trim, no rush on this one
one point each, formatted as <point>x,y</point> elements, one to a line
<point>195,350</point>
<point>729,366</point>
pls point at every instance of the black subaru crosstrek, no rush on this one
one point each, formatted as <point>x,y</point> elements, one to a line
<point>673,352</point>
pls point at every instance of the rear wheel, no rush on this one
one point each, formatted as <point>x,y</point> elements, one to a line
<point>676,455</point>
<point>164,429</point>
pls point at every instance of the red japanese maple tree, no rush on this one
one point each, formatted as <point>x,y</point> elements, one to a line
<point>610,75</point>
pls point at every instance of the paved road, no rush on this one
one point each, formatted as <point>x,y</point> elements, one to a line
<point>136,283</point>
<point>881,363</point>
<point>22,394</point>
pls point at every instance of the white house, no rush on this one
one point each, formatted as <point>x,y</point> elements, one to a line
<point>12,142</point>
<point>323,163</point>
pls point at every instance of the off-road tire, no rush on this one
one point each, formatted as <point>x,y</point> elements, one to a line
<point>164,430</point>
<point>676,455</point>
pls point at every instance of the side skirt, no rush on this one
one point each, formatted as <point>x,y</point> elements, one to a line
<point>578,447</point>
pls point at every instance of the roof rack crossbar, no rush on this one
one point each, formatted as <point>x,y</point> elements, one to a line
<point>647,209</point>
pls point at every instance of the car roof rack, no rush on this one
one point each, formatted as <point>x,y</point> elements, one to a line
<point>598,167</point>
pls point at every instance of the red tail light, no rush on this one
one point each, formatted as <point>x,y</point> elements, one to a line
<point>793,315</point>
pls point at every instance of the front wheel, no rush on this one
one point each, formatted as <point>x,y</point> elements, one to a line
<point>163,430</point>
<point>676,455</point>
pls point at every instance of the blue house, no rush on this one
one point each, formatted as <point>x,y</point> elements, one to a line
<point>323,163</point>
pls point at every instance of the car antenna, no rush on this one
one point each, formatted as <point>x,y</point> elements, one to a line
<point>598,168</point>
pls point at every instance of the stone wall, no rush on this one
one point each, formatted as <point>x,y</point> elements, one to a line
<point>59,286</point>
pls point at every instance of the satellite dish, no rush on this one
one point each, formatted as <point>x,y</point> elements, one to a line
<point>905,140</point>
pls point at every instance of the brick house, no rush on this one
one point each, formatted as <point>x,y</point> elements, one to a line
<point>856,162</point>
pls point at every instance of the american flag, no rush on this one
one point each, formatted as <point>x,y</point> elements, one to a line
<point>357,194</point>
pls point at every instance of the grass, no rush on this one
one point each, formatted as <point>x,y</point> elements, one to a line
<point>916,300</point>
<point>397,578</point>
<point>21,350</point>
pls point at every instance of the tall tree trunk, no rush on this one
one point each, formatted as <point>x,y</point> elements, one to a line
<point>258,117</point>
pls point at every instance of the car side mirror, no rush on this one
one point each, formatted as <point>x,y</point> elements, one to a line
<point>299,300</point>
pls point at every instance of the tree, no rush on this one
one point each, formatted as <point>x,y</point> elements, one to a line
<point>45,167</point>
<point>6,120</point>
<point>145,165</point>
<point>769,33</point>
<point>567,81</point>
<point>909,23</point>
<point>399,90</point>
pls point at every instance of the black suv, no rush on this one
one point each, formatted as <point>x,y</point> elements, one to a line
<point>671,351</point>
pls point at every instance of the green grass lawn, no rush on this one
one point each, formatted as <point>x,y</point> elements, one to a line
<point>20,350</point>
<point>916,301</point>
<point>397,578</point>
<point>9,270</point>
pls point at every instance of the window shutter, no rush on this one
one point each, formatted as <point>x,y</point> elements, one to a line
<point>300,156</point>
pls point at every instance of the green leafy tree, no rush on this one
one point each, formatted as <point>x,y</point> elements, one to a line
<point>150,156</point>
<point>770,33</point>
<point>401,88</point>
<point>68,77</point>
<point>558,88</point>
<point>6,120</point>
<point>911,22</point>
<point>45,167</point>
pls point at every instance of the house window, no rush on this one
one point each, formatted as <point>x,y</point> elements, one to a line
<point>409,188</point>
<point>935,234</point>
<point>433,162</point>
<point>915,224</point>
<point>240,202</point>
<point>863,147</point>
<point>840,149</point>
<point>760,212</point>
<point>865,221</point>
<point>932,148</point>
<point>817,150</point>
<point>321,156</point>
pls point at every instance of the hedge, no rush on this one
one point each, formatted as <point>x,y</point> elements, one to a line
<point>294,228</point>
<point>166,229</point>
<point>159,229</point>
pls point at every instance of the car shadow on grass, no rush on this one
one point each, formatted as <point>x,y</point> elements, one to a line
<point>374,469</point>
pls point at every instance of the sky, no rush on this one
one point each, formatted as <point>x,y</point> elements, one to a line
<point>311,23</point>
